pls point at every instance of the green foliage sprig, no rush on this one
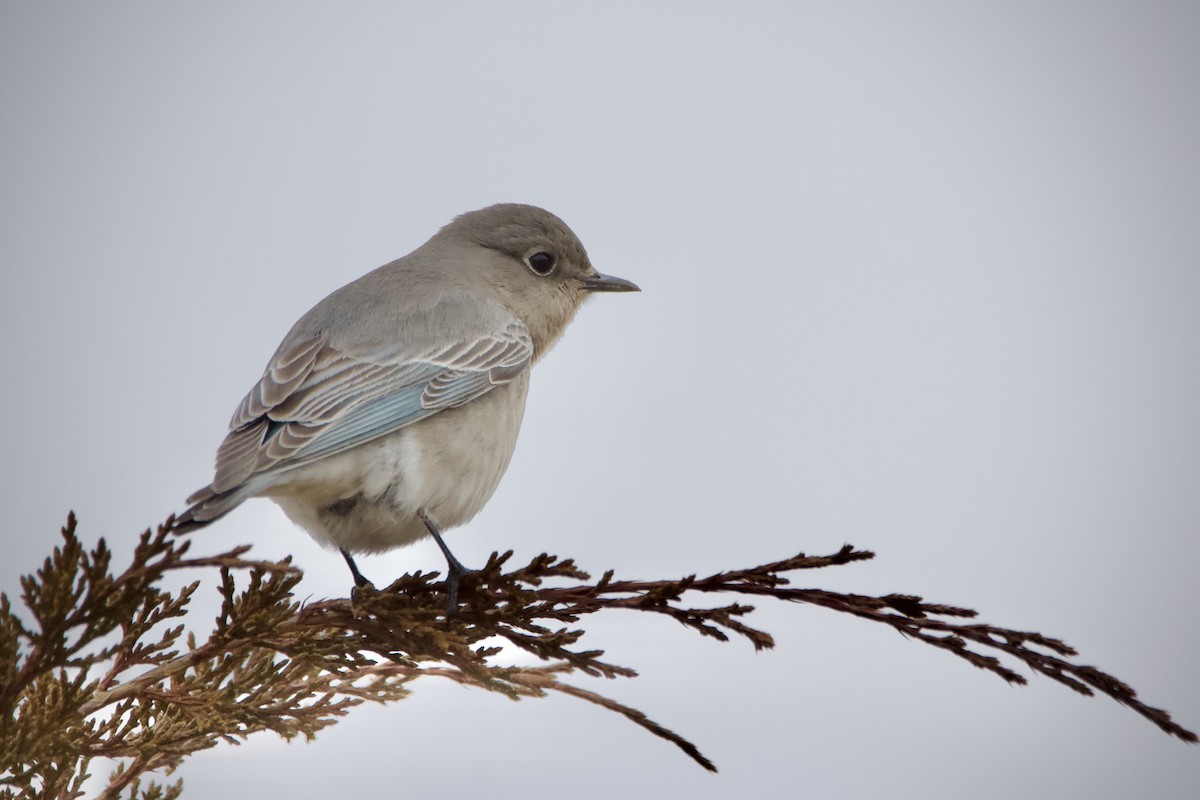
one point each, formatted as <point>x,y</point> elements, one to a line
<point>100,666</point>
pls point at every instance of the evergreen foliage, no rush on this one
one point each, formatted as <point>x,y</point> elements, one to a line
<point>99,663</point>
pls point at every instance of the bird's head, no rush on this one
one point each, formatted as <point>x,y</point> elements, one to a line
<point>535,263</point>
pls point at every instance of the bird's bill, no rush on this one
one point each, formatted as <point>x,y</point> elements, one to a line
<point>609,283</point>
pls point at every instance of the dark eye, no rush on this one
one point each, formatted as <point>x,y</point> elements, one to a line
<point>541,263</point>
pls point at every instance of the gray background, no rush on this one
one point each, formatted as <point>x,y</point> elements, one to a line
<point>920,276</point>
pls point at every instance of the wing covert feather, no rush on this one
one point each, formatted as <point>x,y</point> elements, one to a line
<point>315,400</point>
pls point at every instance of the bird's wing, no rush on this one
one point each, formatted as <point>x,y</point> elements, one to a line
<point>315,399</point>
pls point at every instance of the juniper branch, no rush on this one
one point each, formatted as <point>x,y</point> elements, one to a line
<point>153,695</point>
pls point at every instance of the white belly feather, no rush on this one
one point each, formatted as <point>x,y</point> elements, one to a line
<point>366,499</point>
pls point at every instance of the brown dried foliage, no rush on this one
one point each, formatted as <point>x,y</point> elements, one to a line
<point>99,666</point>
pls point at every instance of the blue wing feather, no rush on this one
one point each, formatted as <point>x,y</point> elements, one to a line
<point>367,421</point>
<point>343,401</point>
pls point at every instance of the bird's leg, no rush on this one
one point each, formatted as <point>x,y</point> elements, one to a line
<point>360,580</point>
<point>455,569</point>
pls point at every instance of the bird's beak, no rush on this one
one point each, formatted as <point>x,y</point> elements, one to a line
<point>608,283</point>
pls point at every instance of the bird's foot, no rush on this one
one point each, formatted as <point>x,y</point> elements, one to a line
<point>360,594</point>
<point>362,586</point>
<point>455,571</point>
<point>360,580</point>
<point>454,568</point>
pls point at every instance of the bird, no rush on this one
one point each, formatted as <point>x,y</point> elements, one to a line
<point>391,409</point>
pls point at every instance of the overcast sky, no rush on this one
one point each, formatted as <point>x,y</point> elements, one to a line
<point>918,276</point>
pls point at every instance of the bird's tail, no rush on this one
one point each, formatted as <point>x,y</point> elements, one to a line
<point>208,505</point>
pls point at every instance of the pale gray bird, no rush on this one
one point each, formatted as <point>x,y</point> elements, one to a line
<point>391,409</point>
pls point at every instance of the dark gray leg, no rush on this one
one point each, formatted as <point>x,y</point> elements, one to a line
<point>359,580</point>
<point>455,569</point>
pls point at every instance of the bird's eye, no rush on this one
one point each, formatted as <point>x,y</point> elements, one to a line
<point>541,263</point>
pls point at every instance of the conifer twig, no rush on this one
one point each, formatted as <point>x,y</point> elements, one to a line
<point>98,663</point>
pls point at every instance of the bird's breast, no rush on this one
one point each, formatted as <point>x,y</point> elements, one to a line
<point>453,461</point>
